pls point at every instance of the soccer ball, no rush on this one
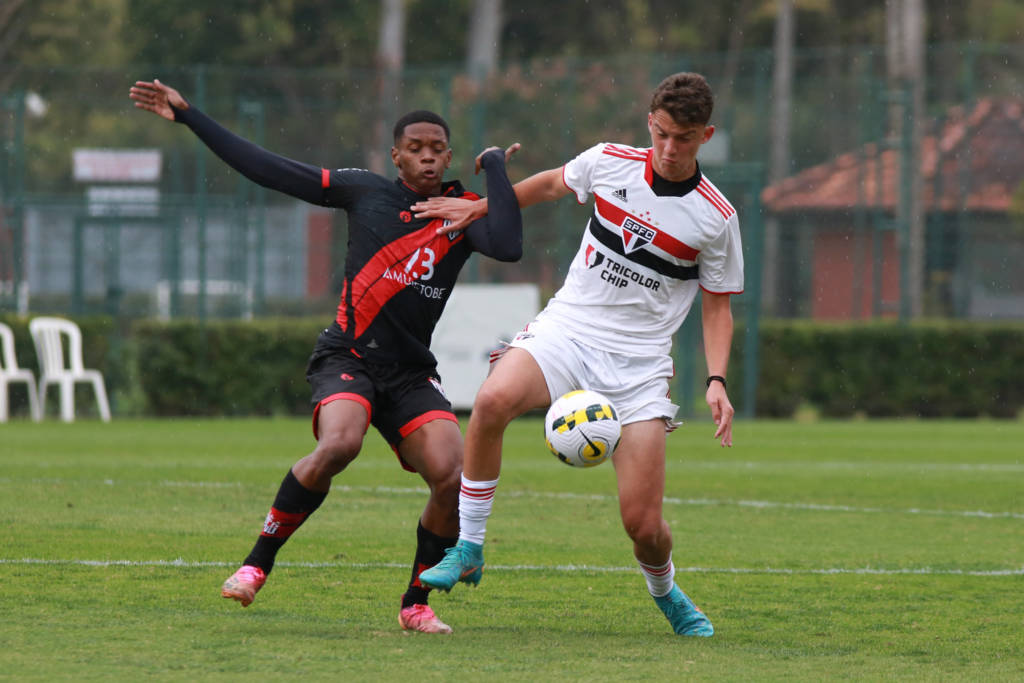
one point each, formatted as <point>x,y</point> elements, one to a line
<point>582,428</point>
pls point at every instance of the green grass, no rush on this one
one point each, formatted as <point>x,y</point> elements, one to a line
<point>855,550</point>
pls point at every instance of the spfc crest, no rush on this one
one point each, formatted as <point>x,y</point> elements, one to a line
<point>635,236</point>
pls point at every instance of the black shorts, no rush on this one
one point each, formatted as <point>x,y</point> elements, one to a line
<point>398,399</point>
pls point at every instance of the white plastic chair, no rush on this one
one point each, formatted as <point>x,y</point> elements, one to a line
<point>47,334</point>
<point>10,373</point>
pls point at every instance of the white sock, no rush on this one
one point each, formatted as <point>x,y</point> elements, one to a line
<point>475,501</point>
<point>660,579</point>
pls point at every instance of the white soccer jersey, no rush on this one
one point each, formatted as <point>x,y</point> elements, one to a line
<point>643,256</point>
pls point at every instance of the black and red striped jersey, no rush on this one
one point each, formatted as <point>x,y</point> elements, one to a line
<point>399,272</point>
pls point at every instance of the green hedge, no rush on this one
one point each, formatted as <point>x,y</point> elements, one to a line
<point>927,369</point>
<point>225,368</point>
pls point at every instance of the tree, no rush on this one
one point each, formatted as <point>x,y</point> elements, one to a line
<point>484,39</point>
<point>779,164</point>
<point>390,59</point>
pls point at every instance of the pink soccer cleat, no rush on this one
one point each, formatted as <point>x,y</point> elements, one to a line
<point>244,584</point>
<point>421,618</point>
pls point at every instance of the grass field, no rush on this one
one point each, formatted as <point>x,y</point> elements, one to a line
<point>838,551</point>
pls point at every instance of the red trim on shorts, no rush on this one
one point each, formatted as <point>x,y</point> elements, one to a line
<point>429,416</point>
<point>341,397</point>
<point>401,461</point>
<point>325,178</point>
<point>414,424</point>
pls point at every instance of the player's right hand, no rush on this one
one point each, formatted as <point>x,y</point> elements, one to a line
<point>458,212</point>
<point>156,97</point>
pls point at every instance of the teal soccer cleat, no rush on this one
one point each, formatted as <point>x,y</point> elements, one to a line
<point>685,617</point>
<point>462,562</point>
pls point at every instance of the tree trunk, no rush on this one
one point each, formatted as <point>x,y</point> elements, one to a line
<point>12,24</point>
<point>781,125</point>
<point>723,101</point>
<point>484,40</point>
<point>389,62</point>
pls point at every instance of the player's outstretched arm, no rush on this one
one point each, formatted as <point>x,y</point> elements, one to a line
<point>499,234</point>
<point>716,315</point>
<point>545,186</point>
<point>460,213</point>
<point>270,170</point>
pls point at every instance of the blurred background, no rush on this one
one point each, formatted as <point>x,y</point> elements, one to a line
<point>874,151</point>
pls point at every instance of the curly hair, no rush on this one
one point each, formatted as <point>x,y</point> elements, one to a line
<point>686,97</point>
<point>420,116</point>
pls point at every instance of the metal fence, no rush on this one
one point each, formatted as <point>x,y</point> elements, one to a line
<point>197,239</point>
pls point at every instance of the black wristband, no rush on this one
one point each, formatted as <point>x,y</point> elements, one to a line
<point>715,378</point>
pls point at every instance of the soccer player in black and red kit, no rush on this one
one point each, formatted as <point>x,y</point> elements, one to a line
<point>373,365</point>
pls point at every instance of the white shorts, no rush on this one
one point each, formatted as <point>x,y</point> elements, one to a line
<point>637,385</point>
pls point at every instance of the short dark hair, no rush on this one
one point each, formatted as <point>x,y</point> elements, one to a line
<point>420,116</point>
<point>686,97</point>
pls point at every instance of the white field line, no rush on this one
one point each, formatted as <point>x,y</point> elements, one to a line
<point>190,564</point>
<point>669,500</point>
<point>596,497</point>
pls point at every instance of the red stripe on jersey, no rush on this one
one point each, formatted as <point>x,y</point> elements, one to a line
<point>325,178</point>
<point>662,240</point>
<point>624,152</point>
<point>429,416</point>
<point>393,268</point>
<point>342,316</point>
<point>719,202</point>
<point>627,157</point>
<point>649,168</point>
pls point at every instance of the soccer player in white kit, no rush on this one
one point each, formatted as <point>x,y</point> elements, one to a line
<point>659,233</point>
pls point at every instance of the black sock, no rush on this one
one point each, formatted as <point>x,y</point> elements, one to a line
<point>429,551</point>
<point>292,505</point>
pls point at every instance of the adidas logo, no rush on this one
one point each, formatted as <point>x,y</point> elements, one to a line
<point>621,194</point>
<point>373,344</point>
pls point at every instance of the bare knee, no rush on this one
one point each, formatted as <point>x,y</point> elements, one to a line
<point>493,409</point>
<point>446,486</point>
<point>646,530</point>
<point>334,452</point>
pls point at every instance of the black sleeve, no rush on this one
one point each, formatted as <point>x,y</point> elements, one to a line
<point>499,234</point>
<point>255,163</point>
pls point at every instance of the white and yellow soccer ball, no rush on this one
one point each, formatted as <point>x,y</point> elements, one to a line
<point>582,428</point>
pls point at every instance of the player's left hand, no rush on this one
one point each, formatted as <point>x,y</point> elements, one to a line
<point>721,412</point>
<point>512,149</point>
